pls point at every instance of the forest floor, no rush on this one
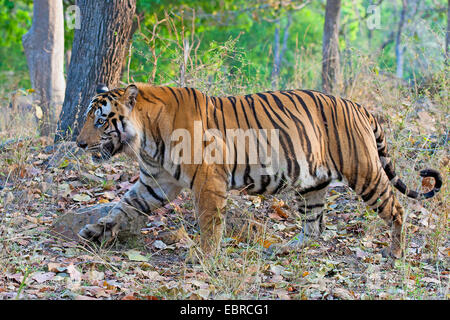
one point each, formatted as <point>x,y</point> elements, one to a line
<point>42,184</point>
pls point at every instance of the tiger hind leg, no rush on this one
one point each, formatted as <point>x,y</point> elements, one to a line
<point>210,201</point>
<point>310,205</point>
<point>378,195</point>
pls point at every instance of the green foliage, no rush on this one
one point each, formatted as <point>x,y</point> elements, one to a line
<point>15,19</point>
<point>236,37</point>
<point>250,24</point>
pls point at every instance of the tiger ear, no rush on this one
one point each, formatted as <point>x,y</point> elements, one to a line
<point>130,95</point>
<point>101,88</point>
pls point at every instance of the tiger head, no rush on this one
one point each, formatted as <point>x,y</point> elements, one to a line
<point>107,130</point>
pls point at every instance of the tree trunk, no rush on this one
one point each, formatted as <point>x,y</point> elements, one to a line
<point>277,53</point>
<point>331,76</point>
<point>447,36</point>
<point>399,49</point>
<point>44,48</point>
<point>98,52</point>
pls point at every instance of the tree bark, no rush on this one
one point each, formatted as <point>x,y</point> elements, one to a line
<point>331,75</point>
<point>447,36</point>
<point>44,49</point>
<point>399,49</point>
<point>277,53</point>
<point>99,49</point>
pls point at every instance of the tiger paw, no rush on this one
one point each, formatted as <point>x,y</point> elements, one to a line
<point>103,231</point>
<point>298,242</point>
<point>392,253</point>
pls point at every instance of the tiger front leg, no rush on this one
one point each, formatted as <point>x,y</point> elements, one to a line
<point>130,214</point>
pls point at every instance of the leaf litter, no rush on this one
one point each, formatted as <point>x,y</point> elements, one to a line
<point>344,263</point>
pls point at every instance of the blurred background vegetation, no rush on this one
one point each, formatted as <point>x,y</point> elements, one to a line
<point>235,39</point>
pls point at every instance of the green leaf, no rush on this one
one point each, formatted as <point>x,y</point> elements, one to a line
<point>135,255</point>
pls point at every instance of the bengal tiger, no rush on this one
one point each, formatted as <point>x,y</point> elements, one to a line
<point>321,138</point>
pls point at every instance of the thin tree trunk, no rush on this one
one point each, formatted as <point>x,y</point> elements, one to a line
<point>331,75</point>
<point>399,49</point>
<point>278,54</point>
<point>44,48</point>
<point>98,52</point>
<point>447,36</point>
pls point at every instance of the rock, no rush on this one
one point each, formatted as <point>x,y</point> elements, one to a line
<point>87,177</point>
<point>68,225</point>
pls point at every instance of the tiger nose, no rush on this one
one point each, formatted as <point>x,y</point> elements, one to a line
<point>81,144</point>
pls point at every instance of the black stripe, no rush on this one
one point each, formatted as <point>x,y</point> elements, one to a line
<point>174,94</point>
<point>193,177</point>
<point>264,98</point>
<point>114,122</point>
<point>313,206</point>
<point>288,140</point>
<point>154,97</point>
<point>233,104</point>
<point>305,107</point>
<point>381,207</point>
<point>136,204</point>
<point>233,172</point>
<point>351,143</point>
<point>279,103</point>
<point>315,188</point>
<point>177,172</point>
<point>223,115</point>
<point>265,181</point>
<point>213,99</point>
<point>325,122</point>
<point>281,184</point>
<point>336,133</point>
<point>152,192</point>
<point>366,197</point>
<point>390,172</point>
<point>248,180</point>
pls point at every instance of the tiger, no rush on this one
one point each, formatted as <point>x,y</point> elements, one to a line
<point>317,138</point>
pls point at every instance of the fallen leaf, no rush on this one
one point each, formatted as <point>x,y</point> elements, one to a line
<point>430,280</point>
<point>17,277</point>
<point>203,293</point>
<point>56,267</point>
<point>282,294</point>
<point>93,275</point>
<point>41,277</point>
<point>153,275</point>
<point>109,195</point>
<point>135,255</point>
<point>158,244</point>
<point>75,275</point>
<point>80,197</point>
<point>343,294</point>
<point>81,297</point>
